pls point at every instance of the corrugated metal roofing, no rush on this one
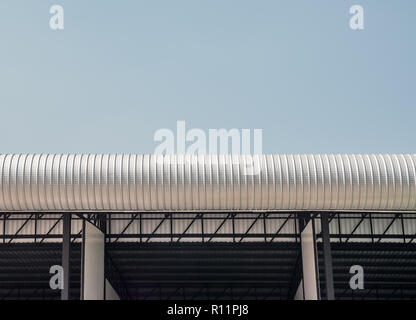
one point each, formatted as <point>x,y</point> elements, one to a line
<point>114,183</point>
<point>213,270</point>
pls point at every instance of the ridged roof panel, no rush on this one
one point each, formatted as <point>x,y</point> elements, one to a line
<point>123,182</point>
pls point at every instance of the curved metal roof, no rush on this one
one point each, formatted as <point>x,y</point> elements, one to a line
<point>92,182</point>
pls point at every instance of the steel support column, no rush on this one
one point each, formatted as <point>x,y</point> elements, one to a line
<point>102,225</point>
<point>326,244</point>
<point>309,285</point>
<point>66,254</point>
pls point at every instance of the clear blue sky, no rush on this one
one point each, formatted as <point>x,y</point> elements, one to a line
<point>123,69</point>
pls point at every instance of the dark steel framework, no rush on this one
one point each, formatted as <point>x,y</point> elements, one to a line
<point>390,258</point>
<point>248,234</point>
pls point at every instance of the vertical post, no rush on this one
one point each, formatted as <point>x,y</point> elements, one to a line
<point>102,225</point>
<point>310,274</point>
<point>93,262</point>
<point>326,241</point>
<point>66,254</point>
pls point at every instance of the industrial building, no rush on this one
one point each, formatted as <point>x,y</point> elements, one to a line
<point>210,227</point>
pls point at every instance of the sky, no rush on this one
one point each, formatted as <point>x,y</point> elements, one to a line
<point>121,70</point>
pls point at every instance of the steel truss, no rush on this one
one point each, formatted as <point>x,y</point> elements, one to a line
<point>244,226</point>
<point>233,227</point>
<point>257,226</point>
